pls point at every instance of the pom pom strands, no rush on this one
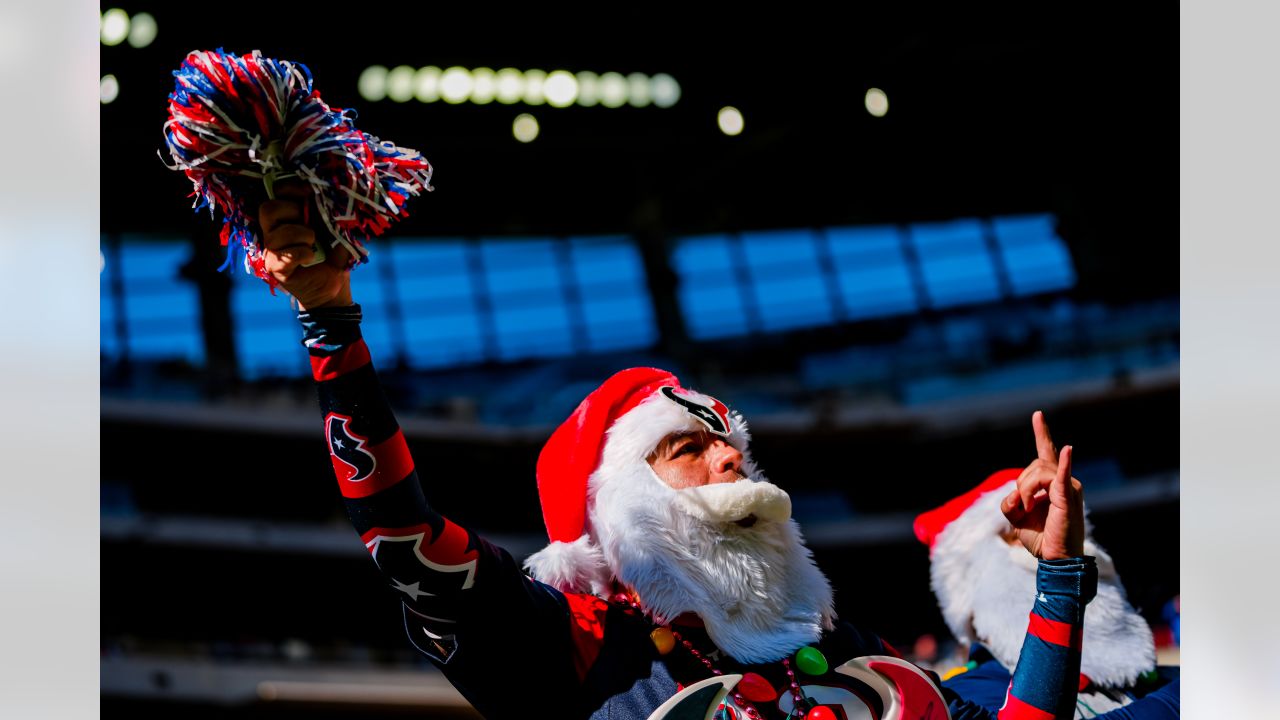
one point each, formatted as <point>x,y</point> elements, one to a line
<point>237,123</point>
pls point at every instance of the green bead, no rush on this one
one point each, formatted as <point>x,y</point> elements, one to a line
<point>811,661</point>
<point>1150,676</point>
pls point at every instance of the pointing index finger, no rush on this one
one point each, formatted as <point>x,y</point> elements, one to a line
<point>1045,449</point>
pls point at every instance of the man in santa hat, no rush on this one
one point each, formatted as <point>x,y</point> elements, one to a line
<point>984,583</point>
<point>676,583</point>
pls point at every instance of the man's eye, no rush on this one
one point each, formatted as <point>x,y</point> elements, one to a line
<point>687,448</point>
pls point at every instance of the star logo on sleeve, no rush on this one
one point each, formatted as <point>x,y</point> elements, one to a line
<point>352,461</point>
<point>411,589</point>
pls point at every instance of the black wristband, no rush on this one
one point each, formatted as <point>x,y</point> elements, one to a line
<point>329,329</point>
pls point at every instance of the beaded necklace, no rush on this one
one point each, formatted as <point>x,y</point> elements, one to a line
<point>757,689</point>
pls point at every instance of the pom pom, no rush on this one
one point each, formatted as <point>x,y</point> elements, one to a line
<point>238,123</point>
<point>575,567</point>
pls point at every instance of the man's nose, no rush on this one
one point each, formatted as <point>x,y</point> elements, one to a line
<point>726,462</point>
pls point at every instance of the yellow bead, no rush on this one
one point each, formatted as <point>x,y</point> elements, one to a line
<point>663,640</point>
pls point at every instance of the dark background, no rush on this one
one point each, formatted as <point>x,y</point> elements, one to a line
<point>212,483</point>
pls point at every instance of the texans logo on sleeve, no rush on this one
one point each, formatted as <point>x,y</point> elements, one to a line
<point>349,447</point>
<point>710,411</point>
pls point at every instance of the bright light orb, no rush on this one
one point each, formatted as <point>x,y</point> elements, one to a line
<point>115,26</point>
<point>108,88</point>
<point>142,30</point>
<point>613,90</point>
<point>730,120</point>
<point>400,83</point>
<point>560,89</point>
<point>525,128</point>
<point>455,85</point>
<point>588,89</point>
<point>372,84</point>
<point>665,90</point>
<point>509,86</point>
<point>426,84</point>
<point>484,86</point>
<point>534,92</point>
<point>638,90</point>
<point>877,102</point>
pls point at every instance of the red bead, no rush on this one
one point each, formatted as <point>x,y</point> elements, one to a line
<point>756,688</point>
<point>821,712</point>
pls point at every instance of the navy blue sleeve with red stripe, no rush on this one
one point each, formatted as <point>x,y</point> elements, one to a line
<point>466,603</point>
<point>427,558</point>
<point>1047,677</point>
<point>1046,680</point>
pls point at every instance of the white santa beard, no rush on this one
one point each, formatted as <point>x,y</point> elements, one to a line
<point>756,589</point>
<point>1117,644</point>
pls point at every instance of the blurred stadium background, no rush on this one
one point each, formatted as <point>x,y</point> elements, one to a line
<point>919,234</point>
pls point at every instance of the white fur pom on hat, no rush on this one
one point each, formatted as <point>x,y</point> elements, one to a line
<point>617,425</point>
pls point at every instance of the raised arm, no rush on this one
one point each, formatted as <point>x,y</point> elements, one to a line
<point>424,556</point>
<point>427,559</point>
<point>1047,511</point>
<point>463,599</point>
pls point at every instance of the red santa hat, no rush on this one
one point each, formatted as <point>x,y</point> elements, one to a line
<point>607,437</point>
<point>972,572</point>
<point>929,525</point>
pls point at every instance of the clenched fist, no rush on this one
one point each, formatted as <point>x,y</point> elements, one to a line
<point>1046,509</point>
<point>290,230</point>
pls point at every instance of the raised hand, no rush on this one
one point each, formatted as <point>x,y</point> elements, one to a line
<point>1046,509</point>
<point>290,232</point>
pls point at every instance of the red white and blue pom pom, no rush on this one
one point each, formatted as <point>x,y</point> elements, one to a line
<point>259,119</point>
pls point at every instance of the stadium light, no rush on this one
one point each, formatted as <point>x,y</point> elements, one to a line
<point>108,88</point>
<point>613,90</point>
<point>115,26</point>
<point>664,89</point>
<point>142,30</point>
<point>455,85</point>
<point>509,84</point>
<point>484,86</point>
<point>373,83</point>
<point>730,120</point>
<point>400,83</point>
<point>638,90</point>
<point>877,102</point>
<point>560,89</point>
<point>588,89</point>
<point>525,127</point>
<point>426,84</point>
<point>534,94</point>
